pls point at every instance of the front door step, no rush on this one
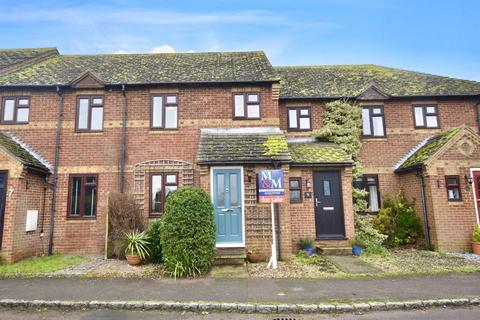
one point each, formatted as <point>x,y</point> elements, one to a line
<point>230,256</point>
<point>339,251</point>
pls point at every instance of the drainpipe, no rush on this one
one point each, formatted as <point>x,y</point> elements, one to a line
<point>55,169</point>
<point>276,165</point>
<point>124,141</point>
<point>419,174</point>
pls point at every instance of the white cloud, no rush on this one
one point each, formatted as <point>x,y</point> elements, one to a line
<point>165,48</point>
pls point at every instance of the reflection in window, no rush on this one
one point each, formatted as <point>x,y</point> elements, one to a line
<point>326,188</point>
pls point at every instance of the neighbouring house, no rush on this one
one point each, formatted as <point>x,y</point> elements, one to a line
<point>76,127</point>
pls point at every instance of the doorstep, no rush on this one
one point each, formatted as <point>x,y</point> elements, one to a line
<point>230,256</point>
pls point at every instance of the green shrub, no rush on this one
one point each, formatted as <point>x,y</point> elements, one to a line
<point>476,234</point>
<point>188,232</point>
<point>398,220</point>
<point>137,244</point>
<point>365,232</point>
<point>376,249</point>
<point>155,246</point>
<point>357,241</point>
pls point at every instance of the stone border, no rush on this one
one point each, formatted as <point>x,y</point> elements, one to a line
<point>238,307</point>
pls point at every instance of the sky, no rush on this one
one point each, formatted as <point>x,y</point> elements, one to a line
<point>440,37</point>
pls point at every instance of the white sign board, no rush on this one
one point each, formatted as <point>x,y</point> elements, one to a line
<point>32,219</point>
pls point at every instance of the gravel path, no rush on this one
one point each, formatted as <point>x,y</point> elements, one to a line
<point>468,256</point>
<point>94,262</point>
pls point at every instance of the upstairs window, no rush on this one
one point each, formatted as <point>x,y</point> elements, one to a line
<point>452,184</point>
<point>246,106</point>
<point>369,183</point>
<point>373,121</point>
<point>425,117</point>
<point>161,185</point>
<point>295,188</point>
<point>299,119</point>
<point>15,110</point>
<point>90,113</point>
<point>83,196</point>
<point>164,113</point>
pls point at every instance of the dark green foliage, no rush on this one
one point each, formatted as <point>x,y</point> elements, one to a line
<point>155,246</point>
<point>398,220</point>
<point>188,232</point>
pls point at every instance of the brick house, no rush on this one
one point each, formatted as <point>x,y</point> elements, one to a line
<point>75,128</point>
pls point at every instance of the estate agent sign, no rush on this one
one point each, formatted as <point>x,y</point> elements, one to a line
<point>270,186</point>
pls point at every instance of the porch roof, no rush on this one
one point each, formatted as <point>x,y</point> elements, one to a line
<point>318,153</point>
<point>242,145</point>
<point>23,153</point>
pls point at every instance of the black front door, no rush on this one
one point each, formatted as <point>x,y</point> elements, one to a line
<point>328,205</point>
<point>3,190</point>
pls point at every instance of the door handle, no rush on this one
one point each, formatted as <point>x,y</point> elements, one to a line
<point>226,210</point>
<point>317,202</point>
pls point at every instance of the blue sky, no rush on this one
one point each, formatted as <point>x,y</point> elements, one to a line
<point>441,37</point>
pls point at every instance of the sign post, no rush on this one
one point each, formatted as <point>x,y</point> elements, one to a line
<point>271,190</point>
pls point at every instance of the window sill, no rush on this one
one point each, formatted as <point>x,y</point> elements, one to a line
<point>382,138</point>
<point>246,118</point>
<point>70,218</point>
<point>89,133</point>
<point>458,202</point>
<point>13,123</point>
<point>155,216</point>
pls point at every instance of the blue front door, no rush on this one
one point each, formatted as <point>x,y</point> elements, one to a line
<point>227,200</point>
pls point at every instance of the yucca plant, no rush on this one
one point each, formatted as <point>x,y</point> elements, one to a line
<point>137,244</point>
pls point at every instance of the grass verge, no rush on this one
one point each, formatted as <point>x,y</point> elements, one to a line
<point>40,265</point>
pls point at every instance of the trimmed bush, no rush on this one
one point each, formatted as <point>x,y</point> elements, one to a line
<point>188,232</point>
<point>366,233</point>
<point>155,246</point>
<point>398,220</point>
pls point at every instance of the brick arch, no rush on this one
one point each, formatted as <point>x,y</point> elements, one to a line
<point>140,171</point>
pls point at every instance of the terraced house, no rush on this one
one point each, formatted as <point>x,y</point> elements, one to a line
<point>76,127</point>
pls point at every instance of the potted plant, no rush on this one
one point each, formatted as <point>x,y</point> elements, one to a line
<point>253,256</point>
<point>137,247</point>
<point>357,245</point>
<point>476,240</point>
<point>307,245</point>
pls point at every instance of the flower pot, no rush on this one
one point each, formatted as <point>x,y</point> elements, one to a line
<point>476,247</point>
<point>357,250</point>
<point>134,260</point>
<point>255,257</point>
<point>309,250</point>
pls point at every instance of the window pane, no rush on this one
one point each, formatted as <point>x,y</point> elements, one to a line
<point>239,105</point>
<point>156,193</point>
<point>171,117</point>
<point>432,121</point>
<point>452,181</point>
<point>326,188</point>
<point>295,195</point>
<point>75,196</point>
<point>292,118</point>
<point>430,109</point>
<point>304,112</point>
<point>97,101</point>
<point>171,178</point>
<point>97,119</point>
<point>294,184</point>
<point>453,193</point>
<point>22,114</point>
<point>378,126</point>
<point>253,111</point>
<point>233,190</point>
<point>304,123</point>
<point>366,122</point>
<point>23,102</point>
<point>373,197</point>
<point>253,98</point>
<point>8,110</point>
<point>157,112</point>
<point>83,114</point>
<point>419,117</point>
<point>220,190</point>
<point>90,201</point>
<point>168,190</point>
<point>377,111</point>
<point>171,99</point>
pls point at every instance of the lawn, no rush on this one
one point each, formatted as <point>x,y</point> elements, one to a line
<point>40,265</point>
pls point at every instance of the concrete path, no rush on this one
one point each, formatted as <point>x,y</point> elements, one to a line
<point>352,264</point>
<point>244,290</point>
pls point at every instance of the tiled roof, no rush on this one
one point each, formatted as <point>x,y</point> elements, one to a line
<point>206,67</point>
<point>353,80</point>
<point>318,153</point>
<point>22,152</point>
<point>427,149</point>
<point>12,57</point>
<point>242,145</point>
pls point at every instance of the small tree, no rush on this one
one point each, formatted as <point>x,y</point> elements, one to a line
<point>188,232</point>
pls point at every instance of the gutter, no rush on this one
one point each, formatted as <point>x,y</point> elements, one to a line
<point>55,169</point>
<point>124,141</point>
<point>419,174</point>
